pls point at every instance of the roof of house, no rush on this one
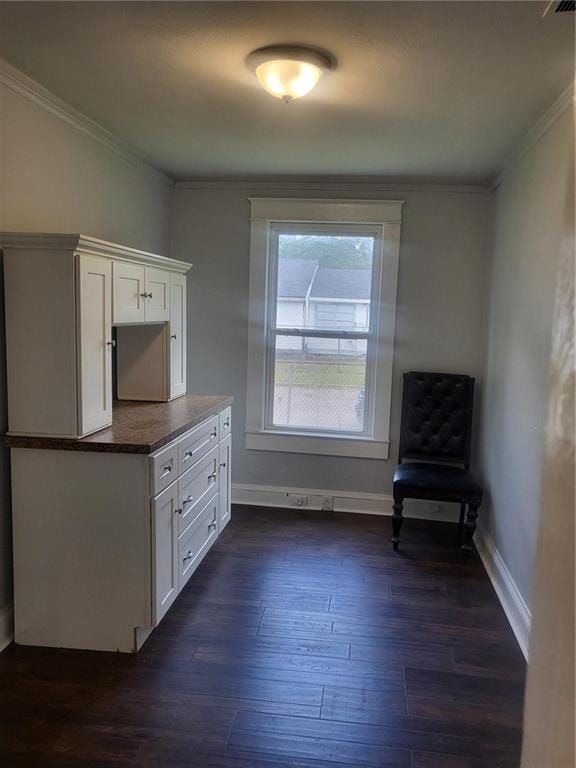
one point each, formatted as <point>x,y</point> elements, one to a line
<point>294,276</point>
<point>342,284</point>
<point>297,276</point>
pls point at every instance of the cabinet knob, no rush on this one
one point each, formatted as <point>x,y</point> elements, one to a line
<point>177,511</point>
<point>167,468</point>
<point>212,476</point>
<point>111,343</point>
<point>189,500</point>
<point>188,454</point>
<point>213,524</point>
<point>223,464</point>
<point>227,423</point>
<point>173,336</point>
<point>144,295</point>
<point>149,295</point>
<point>213,434</point>
<point>188,556</point>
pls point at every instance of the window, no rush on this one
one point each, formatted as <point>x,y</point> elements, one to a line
<point>322,306</point>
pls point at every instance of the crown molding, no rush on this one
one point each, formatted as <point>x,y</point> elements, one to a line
<point>535,133</point>
<point>336,184</point>
<point>89,245</point>
<point>32,90</point>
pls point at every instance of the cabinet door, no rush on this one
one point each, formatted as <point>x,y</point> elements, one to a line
<point>177,335</point>
<point>157,289</point>
<point>164,551</point>
<point>94,277</point>
<point>225,484</point>
<point>128,293</point>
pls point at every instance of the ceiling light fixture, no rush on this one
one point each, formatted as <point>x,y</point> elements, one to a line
<point>288,71</point>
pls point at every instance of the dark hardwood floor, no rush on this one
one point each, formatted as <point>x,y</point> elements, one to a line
<point>303,640</point>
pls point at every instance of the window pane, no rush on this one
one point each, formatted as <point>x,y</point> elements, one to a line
<point>324,282</point>
<point>319,383</point>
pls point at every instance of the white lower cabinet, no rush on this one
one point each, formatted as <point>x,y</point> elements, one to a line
<point>165,549</point>
<point>190,513</point>
<point>197,540</point>
<point>225,482</point>
<point>119,536</point>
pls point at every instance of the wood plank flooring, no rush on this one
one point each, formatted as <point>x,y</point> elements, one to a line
<point>303,640</point>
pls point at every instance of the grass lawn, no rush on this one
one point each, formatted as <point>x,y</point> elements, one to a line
<point>313,374</point>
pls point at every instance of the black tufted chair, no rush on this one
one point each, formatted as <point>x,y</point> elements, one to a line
<point>435,434</point>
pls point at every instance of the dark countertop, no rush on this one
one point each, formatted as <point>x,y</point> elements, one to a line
<point>137,427</point>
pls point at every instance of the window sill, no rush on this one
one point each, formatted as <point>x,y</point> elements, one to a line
<point>322,445</point>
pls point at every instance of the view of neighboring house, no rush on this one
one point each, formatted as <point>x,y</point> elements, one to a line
<point>322,298</point>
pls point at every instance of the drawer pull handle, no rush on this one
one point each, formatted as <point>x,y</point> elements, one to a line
<point>188,500</point>
<point>223,464</point>
<point>188,455</point>
<point>227,423</point>
<point>167,468</point>
<point>212,524</point>
<point>213,434</point>
<point>212,476</point>
<point>188,556</point>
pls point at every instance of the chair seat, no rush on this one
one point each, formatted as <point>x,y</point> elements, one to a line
<point>436,477</point>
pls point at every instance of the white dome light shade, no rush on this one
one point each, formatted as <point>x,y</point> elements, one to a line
<point>288,72</point>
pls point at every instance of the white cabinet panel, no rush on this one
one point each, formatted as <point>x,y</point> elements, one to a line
<point>197,442</point>
<point>128,293</point>
<point>195,486</point>
<point>165,551</point>
<point>225,422</point>
<point>94,343</point>
<point>225,484</point>
<point>197,541</point>
<point>163,468</point>
<point>177,335</point>
<point>157,289</point>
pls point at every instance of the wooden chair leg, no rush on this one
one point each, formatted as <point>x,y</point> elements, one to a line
<point>470,525</point>
<point>396,522</point>
<point>461,522</point>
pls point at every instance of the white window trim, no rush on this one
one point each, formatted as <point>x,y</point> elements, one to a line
<point>267,212</point>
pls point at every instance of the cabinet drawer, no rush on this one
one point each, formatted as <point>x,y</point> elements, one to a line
<point>197,443</point>
<point>163,468</point>
<point>195,486</point>
<point>225,422</point>
<point>197,541</point>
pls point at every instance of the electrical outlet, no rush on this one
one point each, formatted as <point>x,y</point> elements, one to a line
<point>327,503</point>
<point>297,501</point>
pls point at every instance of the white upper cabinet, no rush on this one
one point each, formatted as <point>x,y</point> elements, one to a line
<point>63,294</point>
<point>94,341</point>
<point>141,294</point>
<point>177,335</point>
<point>129,293</point>
<point>157,285</point>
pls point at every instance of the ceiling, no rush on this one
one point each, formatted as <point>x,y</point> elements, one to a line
<point>438,89</point>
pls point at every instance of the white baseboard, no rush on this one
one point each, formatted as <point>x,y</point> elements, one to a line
<point>6,626</point>
<point>343,501</point>
<point>512,602</point>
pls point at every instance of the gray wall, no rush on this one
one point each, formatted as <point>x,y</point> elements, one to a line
<point>440,316</point>
<point>529,210</point>
<point>55,178</point>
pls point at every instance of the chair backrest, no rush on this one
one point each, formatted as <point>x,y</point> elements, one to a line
<point>436,417</point>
